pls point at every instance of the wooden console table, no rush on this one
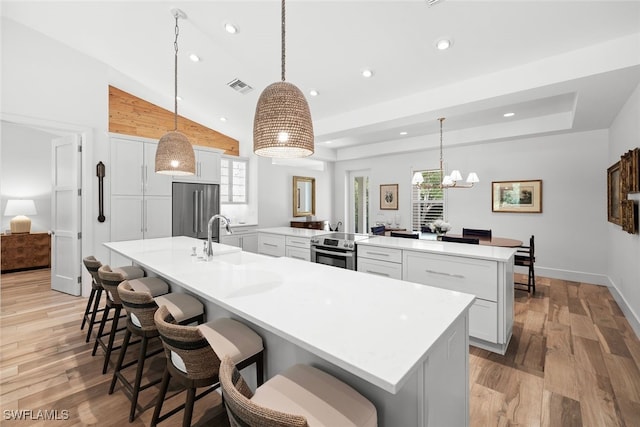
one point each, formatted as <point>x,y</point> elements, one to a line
<point>314,225</point>
<point>25,251</point>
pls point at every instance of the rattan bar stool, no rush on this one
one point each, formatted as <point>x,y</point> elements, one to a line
<point>141,307</point>
<point>298,397</point>
<point>110,280</point>
<point>192,357</point>
<point>90,312</point>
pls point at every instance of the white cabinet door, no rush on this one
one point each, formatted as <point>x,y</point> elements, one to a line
<point>208,166</point>
<point>126,218</point>
<point>250,242</point>
<point>380,268</point>
<point>271,244</point>
<point>154,183</point>
<point>298,253</point>
<point>157,217</point>
<point>127,168</point>
<point>231,240</point>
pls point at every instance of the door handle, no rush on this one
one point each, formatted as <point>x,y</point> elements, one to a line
<point>195,211</point>
<point>142,216</point>
<point>201,206</point>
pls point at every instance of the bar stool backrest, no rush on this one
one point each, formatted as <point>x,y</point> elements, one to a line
<point>140,306</point>
<point>92,265</point>
<point>186,346</point>
<point>110,281</point>
<point>242,411</point>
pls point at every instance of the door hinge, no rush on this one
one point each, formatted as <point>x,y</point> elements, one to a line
<point>80,235</point>
<point>79,191</point>
<point>80,280</point>
<point>80,147</point>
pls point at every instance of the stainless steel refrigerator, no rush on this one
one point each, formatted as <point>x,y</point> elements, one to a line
<point>193,205</point>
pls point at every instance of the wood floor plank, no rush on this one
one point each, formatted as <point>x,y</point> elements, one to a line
<point>573,360</point>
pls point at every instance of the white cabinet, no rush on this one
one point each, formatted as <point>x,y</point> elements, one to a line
<point>380,261</point>
<point>207,166</point>
<point>271,244</point>
<point>140,198</point>
<point>245,237</point>
<point>298,248</point>
<point>491,315</point>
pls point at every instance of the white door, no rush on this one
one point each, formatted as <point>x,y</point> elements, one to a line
<point>65,212</point>
<point>157,217</point>
<point>358,203</point>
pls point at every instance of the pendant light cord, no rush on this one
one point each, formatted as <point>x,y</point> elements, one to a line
<point>175,77</point>
<point>282,40</point>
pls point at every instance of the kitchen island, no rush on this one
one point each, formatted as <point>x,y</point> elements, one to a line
<point>484,271</point>
<point>402,345</point>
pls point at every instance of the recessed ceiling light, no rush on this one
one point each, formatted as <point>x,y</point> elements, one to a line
<point>403,133</point>
<point>230,28</point>
<point>366,73</point>
<point>328,142</point>
<point>509,114</point>
<point>223,119</point>
<point>313,92</point>
<point>444,43</point>
<point>194,57</point>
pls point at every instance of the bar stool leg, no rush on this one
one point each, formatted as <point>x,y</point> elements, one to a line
<point>112,337</point>
<point>105,314</point>
<point>92,321</point>
<point>136,386</point>
<point>188,407</point>
<point>86,310</point>
<point>123,352</point>
<point>161,395</point>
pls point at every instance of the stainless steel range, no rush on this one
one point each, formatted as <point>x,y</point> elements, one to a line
<point>336,249</point>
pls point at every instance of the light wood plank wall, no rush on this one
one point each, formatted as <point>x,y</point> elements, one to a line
<point>130,115</point>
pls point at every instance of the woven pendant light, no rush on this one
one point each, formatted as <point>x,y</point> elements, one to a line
<point>282,124</point>
<point>174,155</point>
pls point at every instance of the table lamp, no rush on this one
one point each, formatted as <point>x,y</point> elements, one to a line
<point>20,208</point>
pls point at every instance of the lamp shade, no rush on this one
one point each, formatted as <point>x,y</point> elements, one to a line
<point>472,178</point>
<point>174,155</point>
<point>417,178</point>
<point>282,124</point>
<point>20,207</point>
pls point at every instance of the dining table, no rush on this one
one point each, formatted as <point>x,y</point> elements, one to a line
<point>505,242</point>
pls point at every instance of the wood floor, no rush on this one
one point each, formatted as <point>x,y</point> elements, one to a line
<point>573,361</point>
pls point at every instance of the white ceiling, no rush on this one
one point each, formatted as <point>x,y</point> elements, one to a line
<point>559,65</point>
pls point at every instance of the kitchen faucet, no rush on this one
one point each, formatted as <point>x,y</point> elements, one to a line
<point>210,232</point>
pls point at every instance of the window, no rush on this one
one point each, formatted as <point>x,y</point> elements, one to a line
<point>234,174</point>
<point>427,204</point>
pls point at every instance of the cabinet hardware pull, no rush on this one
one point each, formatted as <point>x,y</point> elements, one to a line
<point>378,273</point>
<point>298,257</point>
<point>270,244</point>
<point>441,273</point>
<point>377,253</point>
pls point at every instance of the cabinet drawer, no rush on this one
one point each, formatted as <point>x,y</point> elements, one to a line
<point>299,253</point>
<point>383,254</point>
<point>271,244</point>
<point>483,320</point>
<point>380,268</point>
<point>473,276</point>
<point>298,242</point>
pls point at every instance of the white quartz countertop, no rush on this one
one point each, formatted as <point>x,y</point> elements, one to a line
<point>493,253</point>
<point>377,328</point>
<point>292,231</point>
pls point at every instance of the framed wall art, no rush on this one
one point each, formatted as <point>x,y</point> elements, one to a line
<point>613,194</point>
<point>389,196</point>
<point>517,196</point>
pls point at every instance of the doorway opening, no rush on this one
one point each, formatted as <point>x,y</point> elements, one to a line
<point>359,201</point>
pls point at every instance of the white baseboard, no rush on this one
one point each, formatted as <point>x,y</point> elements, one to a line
<point>595,279</point>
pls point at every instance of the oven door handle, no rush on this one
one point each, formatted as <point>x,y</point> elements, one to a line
<point>347,254</point>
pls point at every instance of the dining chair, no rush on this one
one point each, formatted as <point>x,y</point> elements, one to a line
<point>405,234</point>
<point>426,229</point>
<point>471,232</point>
<point>378,230</point>
<point>468,240</point>
<point>525,257</point>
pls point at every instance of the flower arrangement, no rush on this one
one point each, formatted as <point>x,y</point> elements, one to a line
<point>439,226</point>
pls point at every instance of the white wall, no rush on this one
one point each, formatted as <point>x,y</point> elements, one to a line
<point>624,249</point>
<point>275,193</point>
<point>26,172</point>
<point>571,231</point>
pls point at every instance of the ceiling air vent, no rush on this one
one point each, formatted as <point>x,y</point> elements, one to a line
<point>239,86</point>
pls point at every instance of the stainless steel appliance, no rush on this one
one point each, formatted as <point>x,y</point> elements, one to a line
<point>193,205</point>
<point>336,249</point>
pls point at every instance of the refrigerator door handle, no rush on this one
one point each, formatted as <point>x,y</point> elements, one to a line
<point>195,211</point>
<point>203,220</point>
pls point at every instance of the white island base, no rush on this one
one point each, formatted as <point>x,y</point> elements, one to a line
<point>403,346</point>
